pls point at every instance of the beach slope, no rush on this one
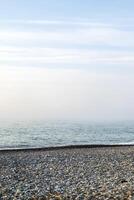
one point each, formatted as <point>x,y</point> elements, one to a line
<point>76,173</point>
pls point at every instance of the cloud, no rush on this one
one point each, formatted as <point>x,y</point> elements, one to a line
<point>55,22</point>
<point>42,93</point>
<point>86,43</point>
<point>92,35</point>
<point>64,56</point>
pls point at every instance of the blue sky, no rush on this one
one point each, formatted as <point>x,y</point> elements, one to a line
<point>59,9</point>
<point>87,44</point>
<point>100,31</point>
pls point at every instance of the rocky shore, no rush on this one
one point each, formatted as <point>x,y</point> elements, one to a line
<point>78,173</point>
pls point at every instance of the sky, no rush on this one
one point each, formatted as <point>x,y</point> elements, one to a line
<point>67,60</point>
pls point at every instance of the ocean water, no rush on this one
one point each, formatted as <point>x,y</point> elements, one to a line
<point>59,133</point>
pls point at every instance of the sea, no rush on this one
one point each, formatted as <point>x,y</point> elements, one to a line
<point>40,134</point>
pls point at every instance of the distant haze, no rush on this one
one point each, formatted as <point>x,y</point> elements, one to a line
<point>67,60</point>
<point>38,93</point>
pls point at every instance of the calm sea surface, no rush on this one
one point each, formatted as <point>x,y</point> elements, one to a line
<point>44,134</point>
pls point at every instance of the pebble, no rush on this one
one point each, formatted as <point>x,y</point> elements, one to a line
<point>69,174</point>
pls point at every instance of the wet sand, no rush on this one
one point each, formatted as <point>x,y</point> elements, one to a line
<point>68,173</point>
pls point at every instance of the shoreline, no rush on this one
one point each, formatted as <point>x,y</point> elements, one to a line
<point>64,147</point>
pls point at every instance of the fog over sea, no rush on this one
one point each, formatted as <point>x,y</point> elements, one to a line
<point>59,133</point>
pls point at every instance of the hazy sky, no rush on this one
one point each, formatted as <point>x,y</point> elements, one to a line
<point>67,59</point>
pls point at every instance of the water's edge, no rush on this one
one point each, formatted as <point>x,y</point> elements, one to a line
<point>52,148</point>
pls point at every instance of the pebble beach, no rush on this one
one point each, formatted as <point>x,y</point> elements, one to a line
<point>76,173</point>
